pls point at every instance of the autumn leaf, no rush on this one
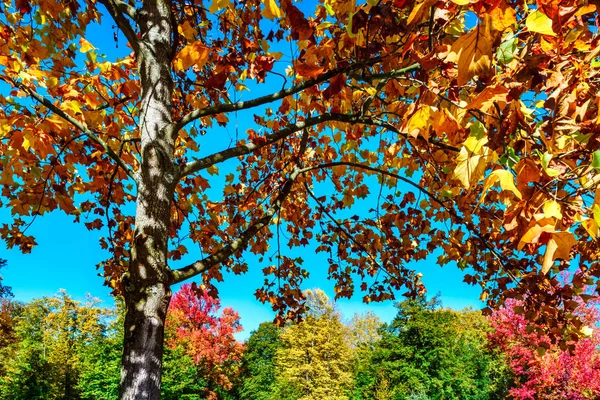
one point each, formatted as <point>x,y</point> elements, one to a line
<point>85,46</point>
<point>193,54</point>
<point>533,234</point>
<point>539,22</point>
<point>217,5</point>
<point>489,97</point>
<point>559,246</point>
<point>271,11</point>
<point>309,71</point>
<point>506,179</point>
<point>420,122</point>
<point>419,12</point>
<point>472,52</point>
<point>472,161</point>
<point>552,209</point>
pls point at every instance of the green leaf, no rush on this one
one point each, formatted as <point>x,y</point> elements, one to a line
<point>596,160</point>
<point>477,129</point>
<point>506,51</point>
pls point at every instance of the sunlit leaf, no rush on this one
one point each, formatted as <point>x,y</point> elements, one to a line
<point>539,22</point>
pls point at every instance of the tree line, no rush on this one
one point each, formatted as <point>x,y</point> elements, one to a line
<point>60,348</point>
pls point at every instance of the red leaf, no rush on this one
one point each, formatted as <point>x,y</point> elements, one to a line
<point>23,6</point>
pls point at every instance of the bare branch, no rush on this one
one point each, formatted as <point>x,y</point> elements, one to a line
<point>77,124</point>
<point>118,10</point>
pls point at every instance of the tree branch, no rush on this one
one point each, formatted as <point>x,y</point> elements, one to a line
<point>432,196</point>
<point>247,148</point>
<point>117,9</point>
<point>243,105</point>
<point>48,104</point>
<point>242,241</point>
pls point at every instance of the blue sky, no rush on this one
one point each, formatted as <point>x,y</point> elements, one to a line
<point>67,253</point>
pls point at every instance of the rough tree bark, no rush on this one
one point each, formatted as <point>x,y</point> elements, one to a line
<point>147,283</point>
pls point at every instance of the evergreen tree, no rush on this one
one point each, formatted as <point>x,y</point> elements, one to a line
<point>434,353</point>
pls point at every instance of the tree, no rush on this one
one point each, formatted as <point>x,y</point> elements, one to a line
<point>314,359</point>
<point>434,353</point>
<point>258,363</point>
<point>201,336</point>
<point>420,108</point>
<point>542,369</point>
<point>52,335</point>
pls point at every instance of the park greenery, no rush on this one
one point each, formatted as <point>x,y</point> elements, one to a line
<point>378,133</point>
<point>59,348</point>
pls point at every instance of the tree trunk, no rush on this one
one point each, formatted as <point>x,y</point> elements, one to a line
<point>147,283</point>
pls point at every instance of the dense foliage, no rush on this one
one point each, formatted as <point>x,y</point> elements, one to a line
<point>433,353</point>
<point>543,369</point>
<point>469,126</point>
<point>58,348</point>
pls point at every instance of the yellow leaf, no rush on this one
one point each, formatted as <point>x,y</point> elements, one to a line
<point>507,182</point>
<point>461,2</point>
<point>26,143</point>
<point>552,209</point>
<point>73,105</point>
<point>271,11</point>
<point>533,234</point>
<point>587,331</point>
<point>419,12</point>
<point>194,53</point>
<point>218,5</point>
<point>540,23</point>
<point>85,46</point>
<point>187,31</point>
<point>213,170</point>
<point>472,52</point>
<point>472,160</point>
<point>419,123</point>
<point>591,227</point>
<point>559,246</point>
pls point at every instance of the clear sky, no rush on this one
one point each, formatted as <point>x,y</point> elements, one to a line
<point>67,253</point>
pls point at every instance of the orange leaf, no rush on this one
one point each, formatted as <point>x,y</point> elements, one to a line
<point>490,95</point>
<point>193,54</point>
<point>308,71</point>
<point>472,52</point>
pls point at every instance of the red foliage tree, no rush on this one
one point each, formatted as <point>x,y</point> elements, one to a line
<point>542,369</point>
<point>206,334</point>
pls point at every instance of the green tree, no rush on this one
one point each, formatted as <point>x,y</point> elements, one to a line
<point>51,336</point>
<point>363,335</point>
<point>258,363</point>
<point>101,358</point>
<point>435,353</point>
<point>314,360</point>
